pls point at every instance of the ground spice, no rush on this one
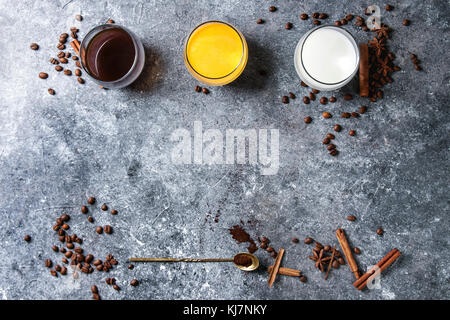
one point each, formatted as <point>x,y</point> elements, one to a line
<point>242,260</point>
<point>240,235</point>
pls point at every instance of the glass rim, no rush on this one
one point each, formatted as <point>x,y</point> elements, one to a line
<point>100,28</point>
<point>354,44</point>
<point>189,37</point>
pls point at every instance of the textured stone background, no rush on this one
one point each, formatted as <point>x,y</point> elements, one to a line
<point>57,150</point>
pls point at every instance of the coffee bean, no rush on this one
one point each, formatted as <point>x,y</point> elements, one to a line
<point>349,17</point>
<point>78,250</point>
<point>90,219</point>
<point>74,35</point>
<point>70,245</point>
<point>78,17</point>
<point>307,119</point>
<point>337,128</point>
<point>55,248</point>
<point>34,46</point>
<point>74,29</point>
<point>331,147</point>
<point>80,80</point>
<point>303,279</point>
<point>389,7</point>
<point>270,249</point>
<point>337,23</point>
<point>348,97</point>
<point>134,283</point>
<point>78,64</point>
<point>53,61</point>
<point>285,99</point>
<point>68,254</point>
<point>337,253</point>
<point>380,231</point>
<point>345,115</point>
<point>295,240</point>
<point>99,267</point>
<point>356,250</point>
<point>53,273</point>
<point>116,287</point>
<point>323,100</point>
<point>335,264</point>
<point>260,21</point>
<point>312,96</point>
<point>343,21</point>
<point>305,100</point>
<point>43,75</point>
<point>77,72</point>
<point>65,226</point>
<point>97,262</point>
<point>94,289</point>
<point>59,68</point>
<point>315,91</point>
<point>104,207</point>
<point>291,95</point>
<point>273,254</point>
<point>91,200</point>
<point>63,60</point>
<point>315,15</point>
<point>48,263</point>
<point>333,99</point>
<point>319,245</point>
<point>303,84</point>
<point>288,26</point>
<point>114,212</point>
<point>323,16</point>
<point>108,229</point>
<point>99,230</point>
<point>63,271</point>
<point>326,115</point>
<point>417,67</point>
<point>85,270</point>
<point>109,257</point>
<point>355,114</point>
<point>406,22</point>
<point>341,261</point>
<point>334,152</point>
<point>352,132</point>
<point>362,109</point>
<point>58,267</point>
<point>303,16</point>
<point>263,245</point>
<point>351,218</point>
<point>84,209</point>
<point>62,238</point>
<point>59,222</point>
<point>272,9</point>
<point>326,141</point>
<point>27,238</point>
<point>114,261</point>
<point>316,22</point>
<point>67,72</point>
<point>68,54</point>
<point>330,136</point>
<point>95,296</point>
<point>64,260</point>
<point>65,217</point>
<point>60,46</point>
<point>62,40</point>
<point>89,258</point>
<point>74,58</point>
<point>62,250</point>
<point>131,266</point>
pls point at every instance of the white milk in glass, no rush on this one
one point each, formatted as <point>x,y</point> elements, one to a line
<point>326,58</point>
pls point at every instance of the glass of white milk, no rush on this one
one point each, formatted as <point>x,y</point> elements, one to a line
<point>326,58</point>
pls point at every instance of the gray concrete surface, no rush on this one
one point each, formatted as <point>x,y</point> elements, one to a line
<point>57,150</point>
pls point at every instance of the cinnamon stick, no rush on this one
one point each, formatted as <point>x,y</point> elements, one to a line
<point>347,251</point>
<point>287,271</point>
<point>364,70</point>
<point>383,264</point>
<point>276,267</point>
<point>76,46</point>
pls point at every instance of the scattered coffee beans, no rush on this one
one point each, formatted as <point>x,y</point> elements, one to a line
<point>104,207</point>
<point>260,21</point>
<point>307,119</point>
<point>27,238</point>
<point>43,75</point>
<point>303,16</point>
<point>380,231</point>
<point>351,218</point>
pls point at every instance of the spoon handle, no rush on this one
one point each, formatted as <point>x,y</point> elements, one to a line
<point>177,260</point>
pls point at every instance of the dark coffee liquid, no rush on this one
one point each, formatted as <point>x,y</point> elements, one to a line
<point>110,55</point>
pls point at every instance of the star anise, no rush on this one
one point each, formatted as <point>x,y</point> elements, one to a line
<point>378,45</point>
<point>383,32</point>
<point>384,66</point>
<point>319,259</point>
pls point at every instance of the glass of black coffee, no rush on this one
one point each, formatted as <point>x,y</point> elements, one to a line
<point>112,56</point>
